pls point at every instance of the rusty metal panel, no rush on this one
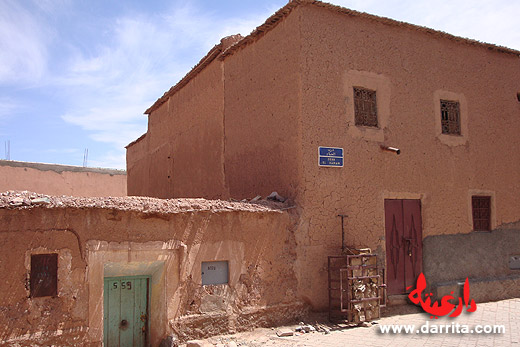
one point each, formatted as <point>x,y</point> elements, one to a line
<point>44,275</point>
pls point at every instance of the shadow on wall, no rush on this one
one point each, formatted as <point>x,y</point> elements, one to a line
<point>254,291</point>
<point>95,243</point>
<point>491,261</point>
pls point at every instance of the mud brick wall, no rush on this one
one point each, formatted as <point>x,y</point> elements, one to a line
<point>56,179</point>
<point>94,236</point>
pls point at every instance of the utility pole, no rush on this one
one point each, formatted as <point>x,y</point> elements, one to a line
<point>85,157</point>
<point>7,146</point>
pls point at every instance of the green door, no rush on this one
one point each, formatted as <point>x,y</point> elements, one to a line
<point>125,311</point>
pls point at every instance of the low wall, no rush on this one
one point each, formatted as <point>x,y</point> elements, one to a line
<point>487,259</point>
<point>56,179</point>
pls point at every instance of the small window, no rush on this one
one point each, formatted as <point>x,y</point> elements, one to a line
<point>44,275</point>
<point>481,206</point>
<point>450,117</point>
<point>518,96</point>
<point>215,272</point>
<point>365,107</point>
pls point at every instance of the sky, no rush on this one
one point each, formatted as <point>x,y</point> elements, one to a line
<point>79,74</point>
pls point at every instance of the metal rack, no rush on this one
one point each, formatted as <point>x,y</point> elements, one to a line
<point>356,288</point>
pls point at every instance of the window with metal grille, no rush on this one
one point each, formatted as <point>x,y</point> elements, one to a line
<point>365,107</point>
<point>44,275</point>
<point>450,117</point>
<point>481,213</point>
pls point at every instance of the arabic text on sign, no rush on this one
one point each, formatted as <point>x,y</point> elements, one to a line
<point>330,156</point>
<point>331,152</point>
<point>331,161</point>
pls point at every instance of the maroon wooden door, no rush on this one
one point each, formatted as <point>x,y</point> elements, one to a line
<point>403,235</point>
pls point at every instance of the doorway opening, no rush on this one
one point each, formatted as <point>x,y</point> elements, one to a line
<point>126,306</point>
<point>403,235</point>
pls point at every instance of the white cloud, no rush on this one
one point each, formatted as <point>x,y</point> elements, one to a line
<point>111,159</point>
<point>52,6</point>
<point>62,150</point>
<point>23,51</point>
<point>8,107</point>
<point>493,22</point>
<point>111,89</point>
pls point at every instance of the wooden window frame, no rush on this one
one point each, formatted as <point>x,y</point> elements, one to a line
<point>481,213</point>
<point>365,110</point>
<point>450,117</point>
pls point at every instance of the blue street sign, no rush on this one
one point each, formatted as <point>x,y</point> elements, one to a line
<point>330,156</point>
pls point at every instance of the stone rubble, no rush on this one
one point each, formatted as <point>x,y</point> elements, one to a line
<point>284,332</point>
<point>27,200</point>
<point>274,196</point>
<point>268,336</point>
<point>305,328</point>
<point>199,343</point>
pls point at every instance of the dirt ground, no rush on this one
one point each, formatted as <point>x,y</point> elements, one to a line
<point>505,313</point>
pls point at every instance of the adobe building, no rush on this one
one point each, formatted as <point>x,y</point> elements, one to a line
<point>132,271</point>
<point>55,179</point>
<point>410,133</point>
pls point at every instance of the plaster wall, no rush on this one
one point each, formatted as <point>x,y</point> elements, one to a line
<point>138,167</point>
<point>409,70</point>
<point>24,318</point>
<point>262,113</point>
<point>96,243</point>
<point>182,152</point>
<point>232,131</point>
<point>484,255</point>
<point>488,259</point>
<point>61,179</point>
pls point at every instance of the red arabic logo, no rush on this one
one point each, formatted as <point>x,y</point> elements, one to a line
<point>445,306</point>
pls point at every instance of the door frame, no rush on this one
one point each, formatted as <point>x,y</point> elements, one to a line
<point>148,303</point>
<point>402,197</point>
<point>151,258</point>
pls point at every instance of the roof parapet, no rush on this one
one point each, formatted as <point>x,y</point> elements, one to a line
<point>229,41</point>
<point>230,44</point>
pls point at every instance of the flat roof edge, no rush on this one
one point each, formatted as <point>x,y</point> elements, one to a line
<point>58,168</point>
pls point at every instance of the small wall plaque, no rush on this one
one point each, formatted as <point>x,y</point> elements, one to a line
<point>215,272</point>
<point>330,156</point>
